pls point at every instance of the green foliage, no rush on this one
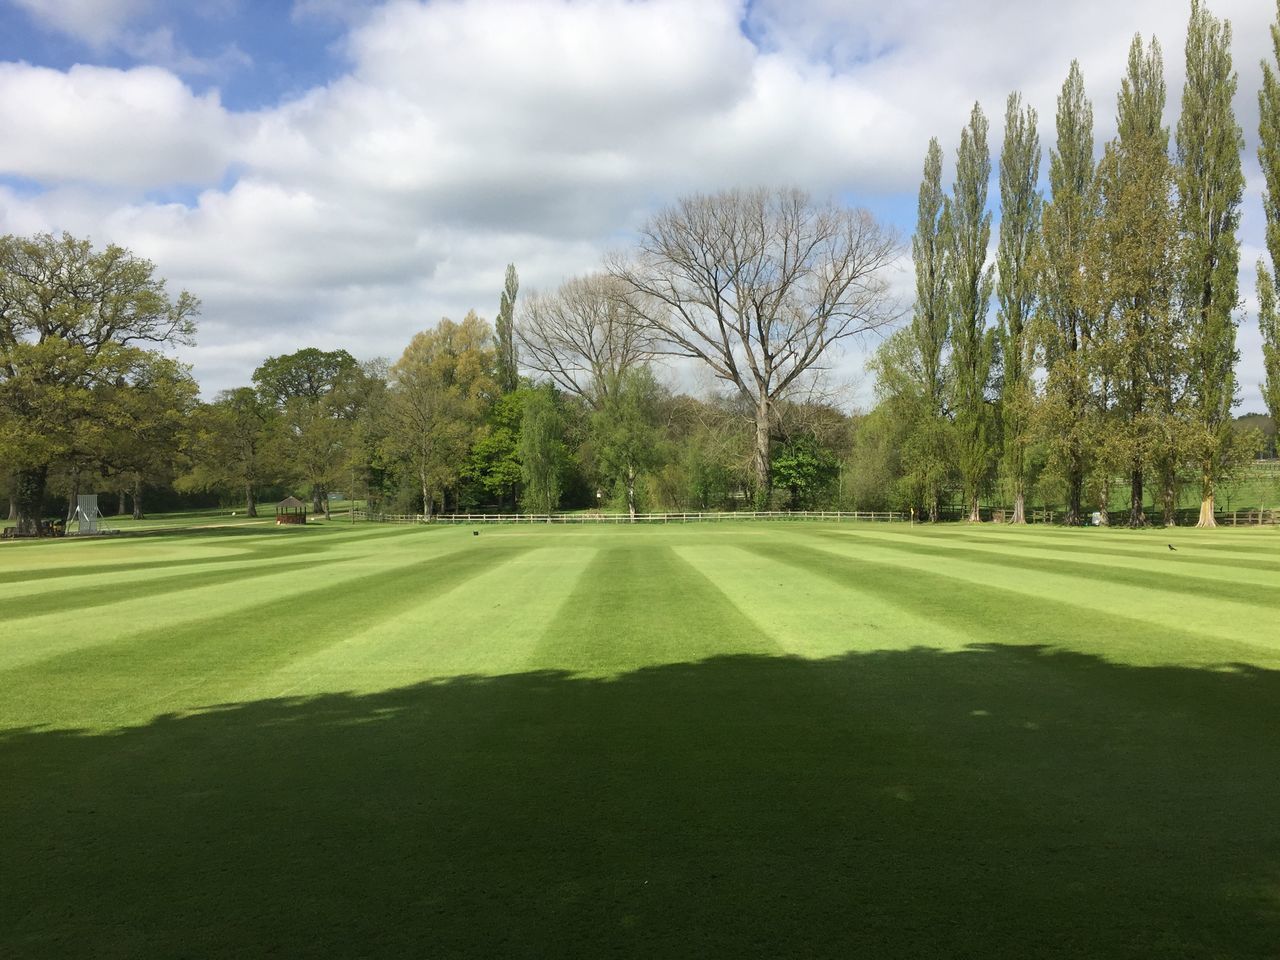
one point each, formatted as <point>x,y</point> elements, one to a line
<point>542,451</point>
<point>75,325</point>
<point>442,386</point>
<point>1143,339</point>
<point>494,460</point>
<point>317,395</point>
<point>507,360</point>
<point>805,469</point>
<point>1269,160</point>
<point>625,432</point>
<point>1210,190</point>
<point>969,286</point>
<point>1018,287</point>
<point>1069,315</point>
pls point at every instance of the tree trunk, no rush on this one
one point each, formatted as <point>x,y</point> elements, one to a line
<point>28,496</point>
<point>1136,517</point>
<point>426,494</point>
<point>1075,487</point>
<point>1207,496</point>
<point>137,499</point>
<point>934,507</point>
<point>631,494</point>
<point>317,504</point>
<point>1019,505</point>
<point>975,512</point>
<point>121,505</point>
<point>13,507</point>
<point>1169,499</point>
<point>250,502</point>
<point>763,461</point>
<point>1104,510</point>
<point>73,495</point>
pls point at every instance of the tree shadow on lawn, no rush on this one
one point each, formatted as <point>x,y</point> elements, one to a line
<point>997,802</point>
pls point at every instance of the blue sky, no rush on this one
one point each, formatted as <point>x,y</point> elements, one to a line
<point>254,53</point>
<point>336,173</point>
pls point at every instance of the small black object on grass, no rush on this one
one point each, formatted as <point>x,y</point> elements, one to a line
<point>1172,547</point>
<point>475,533</point>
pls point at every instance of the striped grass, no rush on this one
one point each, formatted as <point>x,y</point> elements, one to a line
<point>736,740</point>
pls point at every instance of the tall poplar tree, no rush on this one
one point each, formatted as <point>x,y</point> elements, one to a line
<point>1068,308</point>
<point>1210,189</point>
<point>969,284</point>
<point>1140,257</point>
<point>508,360</point>
<point>929,328</point>
<point>1020,208</point>
<point>1269,159</point>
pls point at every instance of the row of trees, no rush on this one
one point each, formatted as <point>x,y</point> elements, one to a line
<point>1113,352</point>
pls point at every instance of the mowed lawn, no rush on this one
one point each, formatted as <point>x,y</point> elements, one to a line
<point>733,740</point>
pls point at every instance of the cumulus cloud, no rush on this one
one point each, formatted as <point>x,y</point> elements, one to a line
<point>141,127</point>
<point>464,134</point>
<point>96,22</point>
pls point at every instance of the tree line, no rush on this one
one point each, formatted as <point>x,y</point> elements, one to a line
<point>1096,352</point>
<point>1112,358</point>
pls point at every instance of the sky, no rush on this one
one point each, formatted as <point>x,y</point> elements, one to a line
<point>342,173</point>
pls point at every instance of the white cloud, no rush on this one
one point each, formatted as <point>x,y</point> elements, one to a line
<point>141,128</point>
<point>96,22</point>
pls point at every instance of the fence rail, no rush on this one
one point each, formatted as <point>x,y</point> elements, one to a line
<point>1249,518</point>
<point>594,517</point>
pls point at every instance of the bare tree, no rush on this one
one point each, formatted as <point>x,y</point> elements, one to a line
<point>584,336</point>
<point>758,284</point>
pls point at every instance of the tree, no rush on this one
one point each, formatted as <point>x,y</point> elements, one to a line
<point>1269,160</point>
<point>1210,189</point>
<point>625,431</point>
<point>494,460</point>
<point>234,445</point>
<point>1069,309</point>
<point>440,388</point>
<point>542,453</point>
<point>930,325</point>
<point>1017,288</point>
<point>805,468</point>
<point>72,320</point>
<point>969,284</point>
<point>584,337</point>
<point>151,414</point>
<point>1144,344</point>
<point>317,395</point>
<point>507,356</point>
<point>758,285</point>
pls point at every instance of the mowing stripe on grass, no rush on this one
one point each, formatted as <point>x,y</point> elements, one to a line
<point>1155,553</point>
<point>640,605</point>
<point>1196,580</point>
<point>204,661</point>
<point>105,557</point>
<point>1167,609</point>
<point>486,625</point>
<point>984,610</point>
<point>811,617</point>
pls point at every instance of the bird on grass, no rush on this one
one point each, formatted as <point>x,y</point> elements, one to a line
<point>475,533</point>
<point>1172,547</point>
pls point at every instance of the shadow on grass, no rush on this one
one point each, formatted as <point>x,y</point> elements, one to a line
<point>1000,802</point>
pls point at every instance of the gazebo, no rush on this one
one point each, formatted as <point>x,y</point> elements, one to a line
<point>291,510</point>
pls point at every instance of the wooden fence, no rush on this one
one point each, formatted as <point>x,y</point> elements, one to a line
<point>1249,518</point>
<point>594,517</point>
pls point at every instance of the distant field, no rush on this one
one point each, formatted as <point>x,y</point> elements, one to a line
<point>748,739</point>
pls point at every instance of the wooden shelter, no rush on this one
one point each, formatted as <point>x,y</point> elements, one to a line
<point>291,510</point>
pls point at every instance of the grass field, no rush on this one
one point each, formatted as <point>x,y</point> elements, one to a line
<point>772,740</point>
